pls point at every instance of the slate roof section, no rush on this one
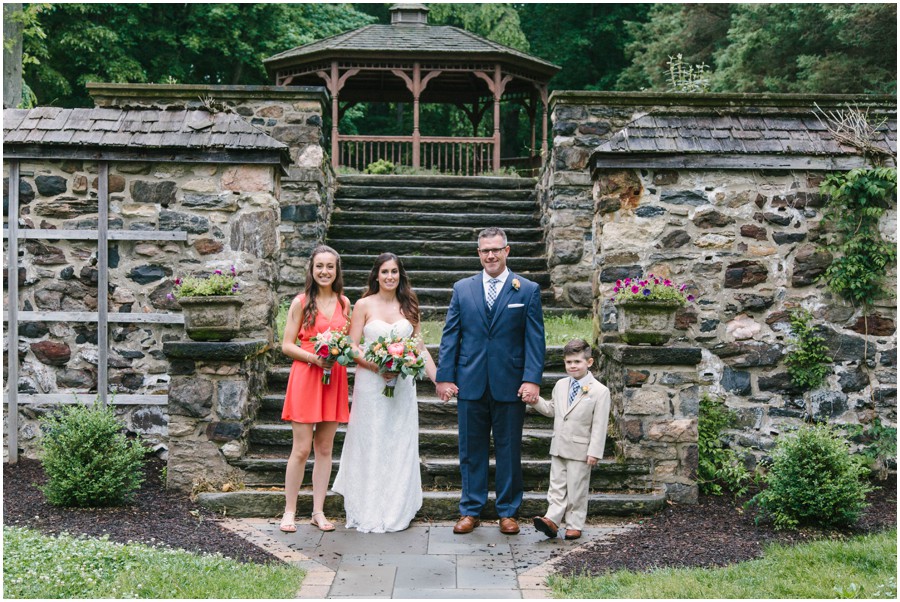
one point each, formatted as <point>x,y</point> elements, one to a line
<point>735,135</point>
<point>433,40</point>
<point>135,129</point>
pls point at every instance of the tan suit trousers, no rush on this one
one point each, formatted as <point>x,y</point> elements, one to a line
<point>568,494</point>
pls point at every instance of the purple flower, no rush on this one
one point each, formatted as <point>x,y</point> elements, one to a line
<point>218,272</point>
<point>690,298</point>
<point>667,282</point>
<point>233,271</point>
<point>646,292</point>
<point>682,287</point>
<point>178,281</point>
<point>170,297</point>
<point>635,289</point>
<point>618,283</point>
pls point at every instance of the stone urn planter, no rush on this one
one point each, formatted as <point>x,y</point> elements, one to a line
<point>212,318</point>
<point>644,322</point>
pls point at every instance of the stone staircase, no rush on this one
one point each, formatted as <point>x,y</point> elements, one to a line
<point>421,219</point>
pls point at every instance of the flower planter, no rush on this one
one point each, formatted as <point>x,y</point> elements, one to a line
<point>647,322</point>
<point>212,318</point>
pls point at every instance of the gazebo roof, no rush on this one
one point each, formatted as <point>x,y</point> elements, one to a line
<point>410,38</point>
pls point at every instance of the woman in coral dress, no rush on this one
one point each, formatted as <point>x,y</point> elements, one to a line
<point>314,409</point>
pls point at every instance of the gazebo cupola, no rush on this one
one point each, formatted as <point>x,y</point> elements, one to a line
<point>410,60</point>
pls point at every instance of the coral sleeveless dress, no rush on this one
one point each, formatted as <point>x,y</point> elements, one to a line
<point>307,399</point>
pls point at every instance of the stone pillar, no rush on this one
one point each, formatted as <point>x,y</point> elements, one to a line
<point>655,408</point>
<point>214,394</point>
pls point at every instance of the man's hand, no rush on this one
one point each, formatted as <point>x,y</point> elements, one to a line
<point>591,461</point>
<point>446,390</point>
<point>529,392</point>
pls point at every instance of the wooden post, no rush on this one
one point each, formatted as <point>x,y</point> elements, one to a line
<point>103,282</point>
<point>416,90</point>
<point>545,98</point>
<point>497,94</point>
<point>335,115</point>
<point>12,328</point>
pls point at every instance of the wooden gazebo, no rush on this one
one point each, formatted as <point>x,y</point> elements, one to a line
<point>411,60</point>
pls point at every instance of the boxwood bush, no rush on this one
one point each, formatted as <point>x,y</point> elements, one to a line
<point>87,458</point>
<point>813,480</point>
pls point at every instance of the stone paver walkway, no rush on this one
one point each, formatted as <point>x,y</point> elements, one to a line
<point>425,561</point>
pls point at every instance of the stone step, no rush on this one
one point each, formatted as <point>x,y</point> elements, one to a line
<point>469,264</point>
<point>277,377</point>
<point>553,358</point>
<point>433,413</point>
<point>439,312</point>
<point>421,234</point>
<point>437,278</point>
<point>433,296</point>
<point>437,181</point>
<point>436,505</point>
<point>428,192</point>
<point>420,219</point>
<point>277,438</point>
<point>438,473</point>
<point>432,205</point>
<point>347,243</point>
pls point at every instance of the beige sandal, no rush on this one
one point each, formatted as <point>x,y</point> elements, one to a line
<point>287,523</point>
<point>324,525</point>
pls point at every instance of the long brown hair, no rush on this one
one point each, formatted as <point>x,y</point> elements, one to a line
<point>311,289</point>
<point>409,301</point>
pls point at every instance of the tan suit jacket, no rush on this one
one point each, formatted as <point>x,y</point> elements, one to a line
<point>579,430</point>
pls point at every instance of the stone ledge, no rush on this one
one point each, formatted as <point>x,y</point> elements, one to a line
<point>105,93</point>
<point>225,351</point>
<point>652,356</point>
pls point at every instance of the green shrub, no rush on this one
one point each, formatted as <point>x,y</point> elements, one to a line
<point>379,167</point>
<point>813,480</point>
<point>718,465</point>
<point>88,460</point>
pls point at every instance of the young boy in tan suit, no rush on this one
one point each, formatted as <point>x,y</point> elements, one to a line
<point>580,410</point>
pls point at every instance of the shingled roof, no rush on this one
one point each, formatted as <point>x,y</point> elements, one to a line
<point>434,40</point>
<point>743,134</point>
<point>135,130</point>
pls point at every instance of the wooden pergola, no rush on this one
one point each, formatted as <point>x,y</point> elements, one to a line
<point>411,60</point>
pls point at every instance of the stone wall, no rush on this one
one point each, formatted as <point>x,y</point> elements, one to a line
<point>748,244</point>
<point>292,115</point>
<point>231,216</point>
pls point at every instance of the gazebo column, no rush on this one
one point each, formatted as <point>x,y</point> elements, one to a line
<point>334,82</point>
<point>416,86</point>
<point>545,102</point>
<point>497,85</point>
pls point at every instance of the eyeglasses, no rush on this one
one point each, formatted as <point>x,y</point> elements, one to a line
<point>487,252</point>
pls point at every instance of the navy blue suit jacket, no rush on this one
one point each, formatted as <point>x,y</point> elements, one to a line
<point>479,354</point>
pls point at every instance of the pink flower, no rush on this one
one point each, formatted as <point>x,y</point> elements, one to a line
<point>618,283</point>
<point>323,351</point>
<point>218,272</point>
<point>396,349</point>
<point>667,282</point>
<point>635,289</point>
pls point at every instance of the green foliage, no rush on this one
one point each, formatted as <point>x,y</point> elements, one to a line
<point>494,21</point>
<point>88,460</point>
<point>190,42</point>
<point>718,465</point>
<point>216,284</point>
<point>684,77</point>
<point>37,566</point>
<point>380,167</point>
<point>857,201</point>
<point>558,330</point>
<point>785,571</point>
<point>879,445</point>
<point>808,360</point>
<point>813,480</point>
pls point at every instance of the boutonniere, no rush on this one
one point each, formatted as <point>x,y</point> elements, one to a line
<point>584,389</point>
<point>516,284</point>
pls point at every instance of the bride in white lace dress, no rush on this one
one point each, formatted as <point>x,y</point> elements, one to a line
<point>379,470</point>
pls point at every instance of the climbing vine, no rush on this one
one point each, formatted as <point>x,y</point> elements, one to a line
<point>858,199</point>
<point>808,360</point>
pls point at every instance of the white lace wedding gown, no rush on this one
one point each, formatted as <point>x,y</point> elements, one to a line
<point>379,470</point>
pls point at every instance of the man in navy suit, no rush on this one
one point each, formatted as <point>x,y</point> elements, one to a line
<point>492,359</point>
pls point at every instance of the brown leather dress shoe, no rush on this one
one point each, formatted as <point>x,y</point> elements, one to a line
<point>573,533</point>
<point>546,526</point>
<point>466,524</point>
<point>509,526</point>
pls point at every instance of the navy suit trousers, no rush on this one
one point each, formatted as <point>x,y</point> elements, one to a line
<point>477,420</point>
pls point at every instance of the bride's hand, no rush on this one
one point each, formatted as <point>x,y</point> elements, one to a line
<point>388,376</point>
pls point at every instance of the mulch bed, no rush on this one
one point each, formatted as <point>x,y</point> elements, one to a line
<point>712,533</point>
<point>158,516</point>
<point>715,532</point>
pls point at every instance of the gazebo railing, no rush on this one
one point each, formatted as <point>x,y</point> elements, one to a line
<point>444,154</point>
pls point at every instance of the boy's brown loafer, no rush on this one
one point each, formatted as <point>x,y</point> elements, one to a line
<point>466,524</point>
<point>546,526</point>
<point>573,533</point>
<point>509,526</point>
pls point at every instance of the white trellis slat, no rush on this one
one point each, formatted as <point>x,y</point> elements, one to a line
<point>88,398</point>
<point>12,289</point>
<point>103,283</point>
<point>150,235</point>
<point>92,316</point>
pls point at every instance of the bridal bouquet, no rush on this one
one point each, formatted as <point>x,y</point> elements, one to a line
<point>396,354</point>
<point>336,346</point>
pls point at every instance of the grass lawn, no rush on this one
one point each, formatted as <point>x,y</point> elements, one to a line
<point>861,567</point>
<point>37,566</point>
